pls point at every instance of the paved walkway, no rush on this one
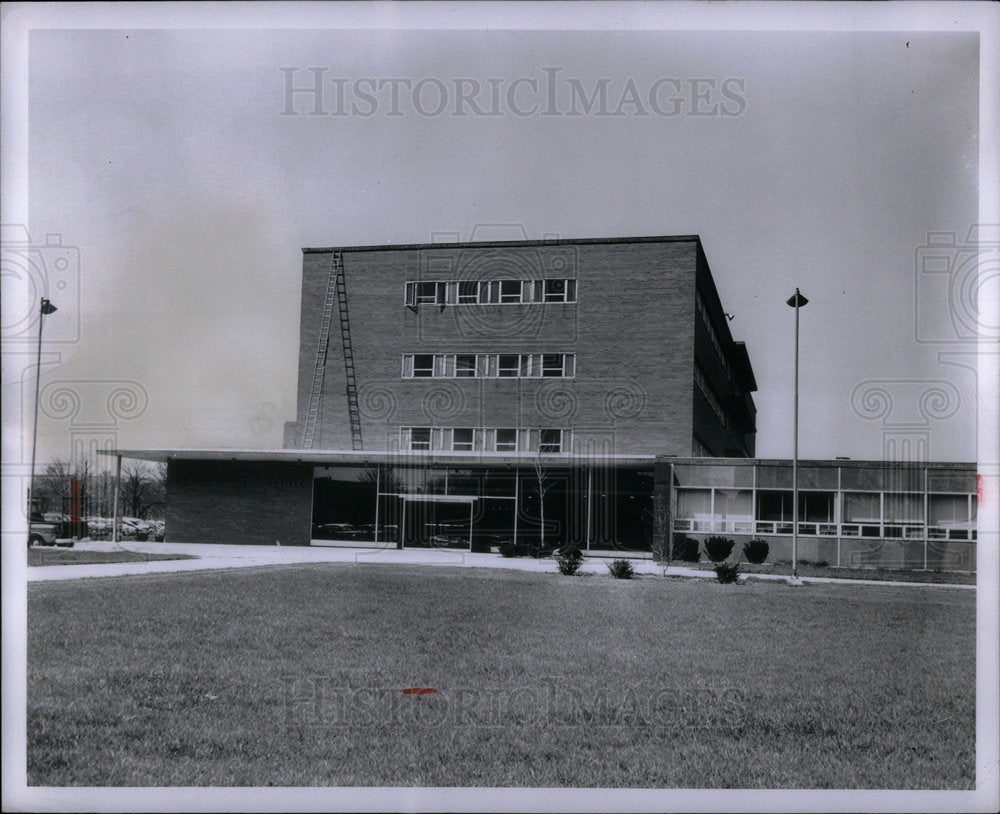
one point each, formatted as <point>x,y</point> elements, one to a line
<point>213,557</point>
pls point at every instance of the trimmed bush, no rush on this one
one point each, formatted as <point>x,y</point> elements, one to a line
<point>756,551</point>
<point>569,560</point>
<point>685,549</point>
<point>518,549</point>
<point>727,572</point>
<point>621,569</point>
<point>719,548</point>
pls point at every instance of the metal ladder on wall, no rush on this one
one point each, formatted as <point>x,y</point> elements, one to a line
<point>335,291</point>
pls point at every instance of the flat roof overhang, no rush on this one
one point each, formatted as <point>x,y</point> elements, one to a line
<point>333,457</point>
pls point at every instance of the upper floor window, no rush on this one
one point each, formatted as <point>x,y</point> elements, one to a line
<point>544,441</point>
<point>490,292</point>
<point>489,365</point>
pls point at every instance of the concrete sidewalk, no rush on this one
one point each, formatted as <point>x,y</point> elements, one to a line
<point>214,557</point>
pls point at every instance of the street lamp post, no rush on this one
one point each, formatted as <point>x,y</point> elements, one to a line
<point>796,302</point>
<point>44,310</point>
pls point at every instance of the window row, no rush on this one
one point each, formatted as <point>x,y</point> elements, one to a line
<point>479,439</point>
<point>713,336</point>
<point>488,365</point>
<point>865,508</point>
<point>490,292</point>
<point>706,388</point>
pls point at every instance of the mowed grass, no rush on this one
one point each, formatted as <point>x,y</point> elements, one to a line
<point>48,556</point>
<point>293,676</point>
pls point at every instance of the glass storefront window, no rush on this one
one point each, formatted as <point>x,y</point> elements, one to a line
<point>733,504</point>
<point>694,504</point>
<point>906,508</point>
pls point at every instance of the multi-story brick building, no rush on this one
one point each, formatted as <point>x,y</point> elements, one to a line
<point>616,345</point>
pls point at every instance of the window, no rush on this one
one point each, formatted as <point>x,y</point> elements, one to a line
<point>468,293</point>
<point>489,292</point>
<point>488,365</point>
<point>552,364</point>
<point>423,365</point>
<point>462,441</point>
<point>420,438</point>
<point>465,365</point>
<point>426,293</point>
<point>555,291</point>
<point>510,365</point>
<point>550,441</point>
<point>531,365</point>
<point>506,440</point>
<point>469,439</point>
<point>510,291</point>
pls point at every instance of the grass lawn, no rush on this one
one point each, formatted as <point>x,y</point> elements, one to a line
<point>295,676</point>
<point>69,556</point>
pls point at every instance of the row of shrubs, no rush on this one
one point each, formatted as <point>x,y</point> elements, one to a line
<point>570,559</point>
<point>718,549</point>
<point>685,549</point>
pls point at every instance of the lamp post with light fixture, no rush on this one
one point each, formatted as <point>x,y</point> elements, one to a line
<point>796,301</point>
<point>45,308</point>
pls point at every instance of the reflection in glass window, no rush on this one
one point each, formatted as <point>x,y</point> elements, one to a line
<point>462,439</point>
<point>420,438</point>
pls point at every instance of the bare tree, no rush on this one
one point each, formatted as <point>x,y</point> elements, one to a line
<point>542,483</point>
<point>661,544</point>
<point>385,477</point>
<point>136,489</point>
<point>52,487</point>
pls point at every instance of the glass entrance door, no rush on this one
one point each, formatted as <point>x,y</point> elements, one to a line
<point>438,521</point>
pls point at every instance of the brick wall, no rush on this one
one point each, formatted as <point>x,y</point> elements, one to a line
<point>631,330</point>
<point>243,503</point>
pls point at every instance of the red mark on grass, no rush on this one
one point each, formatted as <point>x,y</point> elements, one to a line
<point>419,691</point>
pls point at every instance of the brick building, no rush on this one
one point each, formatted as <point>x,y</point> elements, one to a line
<point>469,395</point>
<point>565,346</point>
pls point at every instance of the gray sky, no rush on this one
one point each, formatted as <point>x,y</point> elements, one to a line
<point>813,159</point>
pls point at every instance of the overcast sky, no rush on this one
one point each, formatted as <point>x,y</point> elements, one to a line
<point>813,159</point>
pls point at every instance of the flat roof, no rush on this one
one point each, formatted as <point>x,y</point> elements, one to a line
<point>507,244</point>
<point>321,457</point>
<point>326,457</point>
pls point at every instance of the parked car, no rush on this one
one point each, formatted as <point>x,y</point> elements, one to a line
<point>337,531</point>
<point>42,532</point>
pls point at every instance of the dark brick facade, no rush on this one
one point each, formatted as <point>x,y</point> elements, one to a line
<point>634,330</point>
<point>259,503</point>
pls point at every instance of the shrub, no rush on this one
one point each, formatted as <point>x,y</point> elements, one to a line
<point>727,572</point>
<point>569,559</point>
<point>719,548</point>
<point>159,536</point>
<point>621,569</point>
<point>756,551</point>
<point>518,549</point>
<point>141,536</point>
<point>685,549</point>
